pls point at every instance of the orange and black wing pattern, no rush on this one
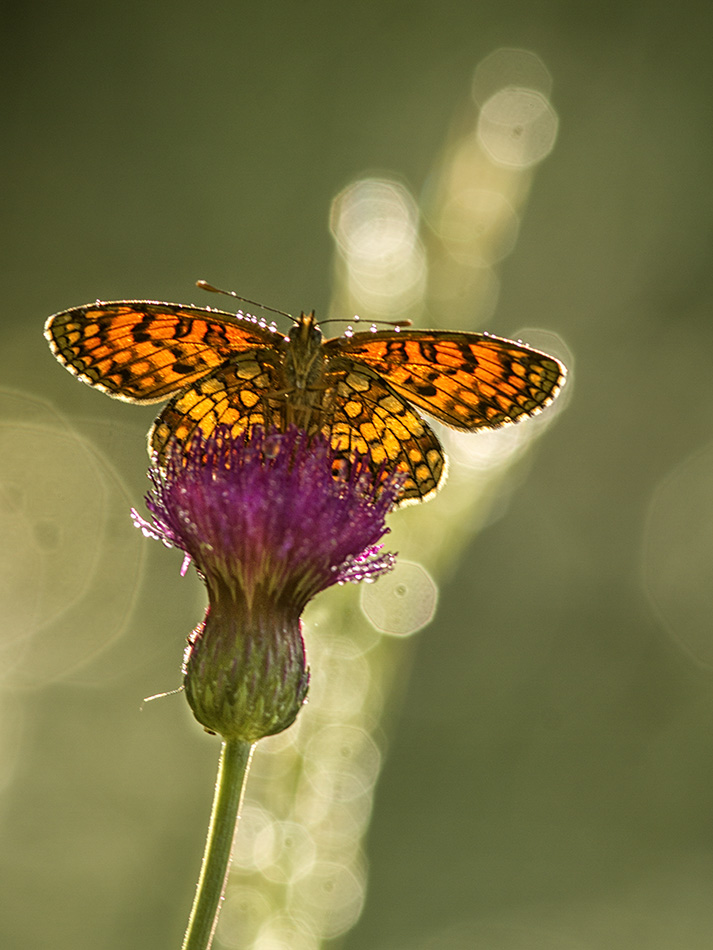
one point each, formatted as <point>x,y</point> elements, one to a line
<point>466,380</point>
<point>145,351</point>
<point>237,394</point>
<point>363,415</point>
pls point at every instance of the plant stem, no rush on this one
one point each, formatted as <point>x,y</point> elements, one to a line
<point>229,788</point>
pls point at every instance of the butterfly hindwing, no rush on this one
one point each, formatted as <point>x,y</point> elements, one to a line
<point>363,414</point>
<point>237,394</point>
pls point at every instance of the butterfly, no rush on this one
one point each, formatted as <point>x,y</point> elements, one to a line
<point>363,390</point>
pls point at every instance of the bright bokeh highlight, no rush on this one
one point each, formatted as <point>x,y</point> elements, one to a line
<point>375,224</point>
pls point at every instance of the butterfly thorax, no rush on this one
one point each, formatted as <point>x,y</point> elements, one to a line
<point>303,372</point>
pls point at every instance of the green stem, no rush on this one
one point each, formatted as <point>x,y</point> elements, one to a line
<point>229,788</point>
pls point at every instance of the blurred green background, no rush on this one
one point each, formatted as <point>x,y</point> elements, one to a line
<point>549,779</point>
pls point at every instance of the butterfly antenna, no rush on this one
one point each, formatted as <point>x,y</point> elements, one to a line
<point>396,324</point>
<point>204,285</point>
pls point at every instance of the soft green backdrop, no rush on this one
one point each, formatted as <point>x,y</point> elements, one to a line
<point>548,780</point>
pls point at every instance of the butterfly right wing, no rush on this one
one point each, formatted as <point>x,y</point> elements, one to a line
<point>144,351</point>
<point>466,380</point>
<point>364,416</point>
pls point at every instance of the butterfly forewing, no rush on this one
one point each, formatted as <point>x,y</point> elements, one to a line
<point>466,380</point>
<point>144,351</point>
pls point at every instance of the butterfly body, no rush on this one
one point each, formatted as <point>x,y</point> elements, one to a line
<point>363,390</point>
<point>303,374</point>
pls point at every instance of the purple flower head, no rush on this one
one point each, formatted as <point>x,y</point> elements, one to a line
<point>268,526</point>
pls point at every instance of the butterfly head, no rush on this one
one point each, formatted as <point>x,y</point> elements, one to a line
<point>306,335</point>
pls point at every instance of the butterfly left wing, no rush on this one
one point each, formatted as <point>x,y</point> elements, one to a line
<point>237,394</point>
<point>466,380</point>
<point>144,351</point>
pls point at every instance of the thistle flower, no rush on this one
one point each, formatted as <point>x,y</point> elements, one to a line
<point>268,527</point>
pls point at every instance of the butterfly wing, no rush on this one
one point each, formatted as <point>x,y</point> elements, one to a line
<point>466,380</point>
<point>144,351</point>
<point>363,414</point>
<point>236,394</point>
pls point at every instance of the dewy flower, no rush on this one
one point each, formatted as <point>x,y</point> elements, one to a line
<point>268,527</point>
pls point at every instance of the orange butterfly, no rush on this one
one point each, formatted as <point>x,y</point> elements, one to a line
<point>359,389</point>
